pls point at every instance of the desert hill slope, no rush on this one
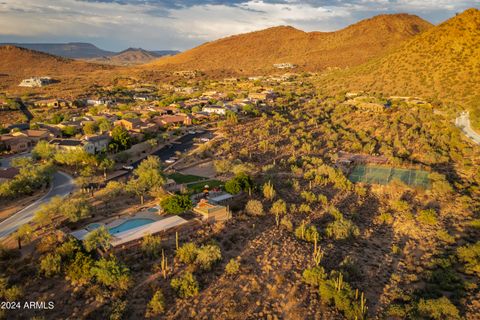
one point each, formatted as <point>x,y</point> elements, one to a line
<point>256,52</point>
<point>442,63</point>
<point>19,63</point>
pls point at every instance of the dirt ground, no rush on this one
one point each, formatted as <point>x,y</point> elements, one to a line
<point>203,170</point>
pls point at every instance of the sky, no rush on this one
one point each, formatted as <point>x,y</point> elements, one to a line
<point>180,25</point>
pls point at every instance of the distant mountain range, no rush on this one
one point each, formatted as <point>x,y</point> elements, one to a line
<point>80,50</point>
<point>284,46</point>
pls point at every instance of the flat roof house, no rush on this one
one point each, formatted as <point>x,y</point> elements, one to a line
<point>211,212</point>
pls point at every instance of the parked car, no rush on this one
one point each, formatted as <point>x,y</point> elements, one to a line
<point>170,160</point>
<point>128,167</point>
<point>191,132</point>
<point>204,139</point>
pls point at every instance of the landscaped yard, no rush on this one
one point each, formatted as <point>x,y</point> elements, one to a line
<point>198,187</point>
<point>184,178</point>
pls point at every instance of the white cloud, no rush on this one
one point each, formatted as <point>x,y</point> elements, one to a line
<point>154,26</point>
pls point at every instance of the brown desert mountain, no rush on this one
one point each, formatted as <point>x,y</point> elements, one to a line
<point>256,52</point>
<point>131,56</point>
<point>19,63</point>
<point>442,63</point>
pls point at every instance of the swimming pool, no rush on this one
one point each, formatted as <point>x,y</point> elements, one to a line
<point>93,226</point>
<point>130,224</point>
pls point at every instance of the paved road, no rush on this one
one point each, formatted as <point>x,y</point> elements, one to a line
<point>184,144</point>
<point>62,185</point>
<point>463,122</point>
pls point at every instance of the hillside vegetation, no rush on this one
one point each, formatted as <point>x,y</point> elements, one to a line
<point>256,52</point>
<point>442,64</point>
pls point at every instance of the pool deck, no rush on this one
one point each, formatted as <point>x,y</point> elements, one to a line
<point>161,223</point>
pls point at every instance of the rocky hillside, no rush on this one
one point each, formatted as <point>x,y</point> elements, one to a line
<point>442,64</point>
<point>257,52</point>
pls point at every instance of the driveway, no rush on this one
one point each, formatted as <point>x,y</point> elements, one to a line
<point>62,185</point>
<point>463,122</point>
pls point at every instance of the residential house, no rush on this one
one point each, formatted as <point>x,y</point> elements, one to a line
<point>92,144</point>
<point>177,119</point>
<point>14,144</point>
<point>261,96</point>
<point>133,124</point>
<point>96,144</point>
<point>211,212</point>
<point>52,103</point>
<point>7,174</point>
<point>215,110</point>
<point>35,82</point>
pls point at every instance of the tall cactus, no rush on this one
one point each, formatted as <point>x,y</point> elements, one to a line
<point>164,265</point>
<point>176,240</point>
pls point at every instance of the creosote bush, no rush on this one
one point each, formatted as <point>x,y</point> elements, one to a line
<point>185,285</point>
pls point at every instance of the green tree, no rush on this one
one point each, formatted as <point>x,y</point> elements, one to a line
<point>176,204</point>
<point>98,239</point>
<point>121,139</point>
<point>43,150</point>
<point>24,233</point>
<point>147,177</point>
<point>90,128</point>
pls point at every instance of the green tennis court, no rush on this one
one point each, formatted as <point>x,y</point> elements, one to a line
<point>384,175</point>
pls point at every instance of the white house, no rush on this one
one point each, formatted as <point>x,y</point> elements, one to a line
<point>35,82</point>
<point>215,110</point>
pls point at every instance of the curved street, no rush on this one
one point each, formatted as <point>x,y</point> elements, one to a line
<point>463,122</point>
<point>62,185</point>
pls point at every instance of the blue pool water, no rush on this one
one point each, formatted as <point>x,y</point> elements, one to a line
<point>130,224</point>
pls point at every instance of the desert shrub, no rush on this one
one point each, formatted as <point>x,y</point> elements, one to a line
<point>112,274</point>
<point>445,236</point>
<point>68,249</point>
<point>428,216</point>
<point>187,253</point>
<point>156,305</point>
<point>286,223</point>
<point>117,310</point>
<point>470,256</point>
<point>254,208</point>
<point>269,191</point>
<point>9,293</point>
<point>185,285</point>
<point>342,229</point>
<point>438,309</point>
<point>314,276</point>
<point>207,255</point>
<point>79,272</point>
<point>151,245</point>
<point>385,218</point>
<point>51,264</point>
<point>307,233</point>
<point>232,267</point>
<point>338,293</point>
